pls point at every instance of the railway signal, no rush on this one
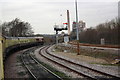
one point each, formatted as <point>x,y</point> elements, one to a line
<point>58,28</point>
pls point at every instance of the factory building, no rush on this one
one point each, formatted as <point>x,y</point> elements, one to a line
<point>81,26</point>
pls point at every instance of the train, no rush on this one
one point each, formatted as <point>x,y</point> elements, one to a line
<point>12,44</point>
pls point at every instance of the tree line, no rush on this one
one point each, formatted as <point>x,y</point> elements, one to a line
<point>16,28</point>
<point>110,31</point>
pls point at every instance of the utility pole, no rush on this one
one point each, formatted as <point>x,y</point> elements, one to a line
<point>77,29</point>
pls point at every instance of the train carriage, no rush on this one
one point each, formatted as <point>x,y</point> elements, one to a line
<point>1,59</point>
<point>6,42</point>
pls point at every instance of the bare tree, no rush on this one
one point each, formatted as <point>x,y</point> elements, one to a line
<point>109,31</point>
<point>17,28</point>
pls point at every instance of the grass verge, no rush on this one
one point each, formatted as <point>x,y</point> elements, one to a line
<point>108,57</point>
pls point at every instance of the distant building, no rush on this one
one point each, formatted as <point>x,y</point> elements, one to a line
<point>81,26</point>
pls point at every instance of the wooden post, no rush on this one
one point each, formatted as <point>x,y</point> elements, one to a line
<point>78,48</point>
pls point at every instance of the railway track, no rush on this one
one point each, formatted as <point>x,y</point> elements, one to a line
<point>95,45</point>
<point>37,70</point>
<point>111,50</point>
<point>85,71</point>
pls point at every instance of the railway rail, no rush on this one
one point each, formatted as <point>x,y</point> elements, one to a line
<point>85,71</point>
<point>95,45</point>
<point>111,50</point>
<point>37,70</point>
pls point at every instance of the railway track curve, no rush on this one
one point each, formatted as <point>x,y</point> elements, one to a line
<point>85,71</point>
<point>37,70</point>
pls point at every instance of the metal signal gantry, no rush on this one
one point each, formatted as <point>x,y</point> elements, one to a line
<point>58,28</point>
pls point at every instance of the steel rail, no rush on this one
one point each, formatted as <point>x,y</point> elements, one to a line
<point>28,68</point>
<point>115,77</point>
<point>96,45</point>
<point>83,66</point>
<point>35,60</point>
<point>45,67</point>
<point>86,76</point>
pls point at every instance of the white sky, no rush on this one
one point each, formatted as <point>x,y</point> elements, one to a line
<point>43,14</point>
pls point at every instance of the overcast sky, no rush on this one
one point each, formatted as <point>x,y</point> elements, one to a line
<point>44,14</point>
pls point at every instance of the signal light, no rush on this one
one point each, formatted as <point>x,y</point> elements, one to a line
<point>65,23</point>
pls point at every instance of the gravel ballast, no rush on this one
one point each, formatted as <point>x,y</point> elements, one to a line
<point>114,70</point>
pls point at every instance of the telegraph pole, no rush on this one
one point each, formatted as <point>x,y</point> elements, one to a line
<point>77,29</point>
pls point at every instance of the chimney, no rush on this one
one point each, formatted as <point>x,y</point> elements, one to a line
<point>68,21</point>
